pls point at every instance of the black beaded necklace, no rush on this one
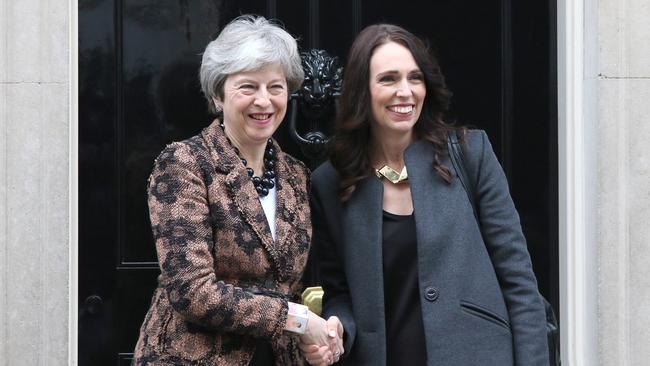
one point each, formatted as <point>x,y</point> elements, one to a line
<point>267,181</point>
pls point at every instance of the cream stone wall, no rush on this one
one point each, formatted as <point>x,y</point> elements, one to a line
<point>623,172</point>
<point>35,81</point>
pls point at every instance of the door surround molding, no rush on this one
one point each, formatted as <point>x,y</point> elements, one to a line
<point>73,194</point>
<point>577,30</point>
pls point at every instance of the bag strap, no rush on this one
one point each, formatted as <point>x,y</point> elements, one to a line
<point>458,161</point>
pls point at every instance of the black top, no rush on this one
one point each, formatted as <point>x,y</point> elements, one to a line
<point>405,343</point>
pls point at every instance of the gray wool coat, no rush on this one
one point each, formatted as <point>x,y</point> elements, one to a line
<point>479,299</point>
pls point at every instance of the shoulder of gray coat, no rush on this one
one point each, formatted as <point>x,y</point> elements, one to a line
<point>325,175</point>
<point>474,146</point>
<point>325,181</point>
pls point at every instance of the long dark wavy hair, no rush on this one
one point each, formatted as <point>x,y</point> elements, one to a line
<point>350,148</point>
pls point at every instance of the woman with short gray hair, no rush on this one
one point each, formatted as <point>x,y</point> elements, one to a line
<point>248,43</point>
<point>231,220</point>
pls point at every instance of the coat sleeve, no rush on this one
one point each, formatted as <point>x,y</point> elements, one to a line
<point>507,247</point>
<point>336,300</point>
<point>181,224</point>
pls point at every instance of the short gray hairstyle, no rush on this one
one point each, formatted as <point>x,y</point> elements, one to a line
<point>248,43</point>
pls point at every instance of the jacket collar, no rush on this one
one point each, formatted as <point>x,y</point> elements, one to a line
<point>242,192</point>
<point>224,156</point>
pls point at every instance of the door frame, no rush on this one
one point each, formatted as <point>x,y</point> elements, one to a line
<point>577,61</point>
<point>577,51</point>
<point>73,179</point>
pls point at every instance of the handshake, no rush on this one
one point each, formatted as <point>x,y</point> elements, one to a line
<point>322,342</point>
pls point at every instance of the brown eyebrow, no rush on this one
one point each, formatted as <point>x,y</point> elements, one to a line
<point>393,72</point>
<point>389,72</point>
<point>385,73</point>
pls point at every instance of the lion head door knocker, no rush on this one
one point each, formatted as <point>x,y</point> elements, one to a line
<point>316,102</point>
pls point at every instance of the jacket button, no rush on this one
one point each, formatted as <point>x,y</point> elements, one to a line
<point>431,293</point>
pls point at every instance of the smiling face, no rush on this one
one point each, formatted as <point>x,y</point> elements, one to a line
<point>397,90</point>
<point>254,104</point>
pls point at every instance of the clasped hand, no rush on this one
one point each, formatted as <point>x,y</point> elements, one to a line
<point>322,343</point>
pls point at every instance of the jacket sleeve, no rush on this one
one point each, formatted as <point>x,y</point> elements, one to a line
<point>336,300</point>
<point>507,247</point>
<point>181,224</point>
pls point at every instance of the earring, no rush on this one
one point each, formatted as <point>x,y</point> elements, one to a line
<point>217,106</point>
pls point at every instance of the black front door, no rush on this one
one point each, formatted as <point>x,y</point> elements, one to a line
<point>138,66</point>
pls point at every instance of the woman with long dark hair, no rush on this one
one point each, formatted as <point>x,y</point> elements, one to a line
<point>406,266</point>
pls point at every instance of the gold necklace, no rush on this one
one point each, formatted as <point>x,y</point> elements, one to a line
<point>391,174</point>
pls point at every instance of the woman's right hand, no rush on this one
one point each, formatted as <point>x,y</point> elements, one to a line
<point>322,343</point>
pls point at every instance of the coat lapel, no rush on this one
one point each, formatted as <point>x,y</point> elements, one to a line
<point>432,197</point>
<point>362,216</point>
<point>243,193</point>
<point>240,188</point>
<point>288,220</point>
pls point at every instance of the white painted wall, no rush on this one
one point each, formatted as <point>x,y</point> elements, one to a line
<point>35,58</point>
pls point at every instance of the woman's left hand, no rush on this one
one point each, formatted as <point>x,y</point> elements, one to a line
<point>335,333</point>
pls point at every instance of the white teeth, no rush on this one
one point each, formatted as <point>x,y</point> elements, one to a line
<point>401,109</point>
<point>261,117</point>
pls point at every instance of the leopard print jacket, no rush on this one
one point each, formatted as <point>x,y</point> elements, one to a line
<point>224,281</point>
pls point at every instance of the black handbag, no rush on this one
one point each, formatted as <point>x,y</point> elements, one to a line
<point>458,161</point>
